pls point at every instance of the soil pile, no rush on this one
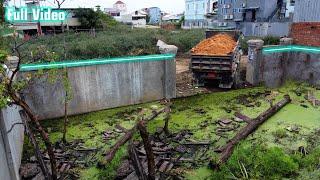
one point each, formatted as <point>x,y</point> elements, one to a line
<point>218,45</point>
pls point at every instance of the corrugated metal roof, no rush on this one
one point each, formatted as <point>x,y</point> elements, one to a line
<point>307,11</point>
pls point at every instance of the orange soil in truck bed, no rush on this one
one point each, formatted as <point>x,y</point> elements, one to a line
<point>218,45</point>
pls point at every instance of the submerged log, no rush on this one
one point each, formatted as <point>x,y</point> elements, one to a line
<point>250,128</point>
<point>242,117</point>
<point>112,152</point>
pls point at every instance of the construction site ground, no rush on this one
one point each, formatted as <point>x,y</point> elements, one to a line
<point>185,86</point>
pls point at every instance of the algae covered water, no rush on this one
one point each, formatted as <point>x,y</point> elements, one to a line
<point>283,136</point>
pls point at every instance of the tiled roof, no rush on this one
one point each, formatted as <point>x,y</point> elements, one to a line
<point>119,2</point>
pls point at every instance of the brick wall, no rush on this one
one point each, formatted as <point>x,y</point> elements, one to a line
<point>306,33</point>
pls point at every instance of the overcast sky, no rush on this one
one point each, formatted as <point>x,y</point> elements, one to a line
<point>173,6</point>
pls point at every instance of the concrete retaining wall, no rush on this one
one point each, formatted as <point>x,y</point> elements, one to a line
<point>11,143</point>
<point>275,67</point>
<point>104,86</point>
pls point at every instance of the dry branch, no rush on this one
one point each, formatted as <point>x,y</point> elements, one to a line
<point>250,128</point>
<point>166,120</point>
<point>36,148</point>
<point>148,148</point>
<point>136,162</point>
<point>243,117</point>
<point>111,153</point>
<point>15,97</point>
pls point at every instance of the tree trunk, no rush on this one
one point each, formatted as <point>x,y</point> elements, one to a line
<point>35,144</point>
<point>66,100</point>
<point>166,121</point>
<point>250,128</point>
<point>148,148</point>
<point>64,139</point>
<point>44,135</point>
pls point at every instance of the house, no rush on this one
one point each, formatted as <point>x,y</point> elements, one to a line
<point>199,13</point>
<point>232,12</point>
<point>136,19</point>
<point>154,14</point>
<point>119,8</point>
<point>30,27</point>
<point>172,17</point>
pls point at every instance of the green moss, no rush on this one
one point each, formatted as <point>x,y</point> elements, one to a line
<point>199,174</point>
<point>280,134</point>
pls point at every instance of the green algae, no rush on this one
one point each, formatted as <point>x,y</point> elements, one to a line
<point>190,113</point>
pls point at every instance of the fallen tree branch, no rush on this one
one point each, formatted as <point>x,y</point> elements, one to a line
<point>250,128</point>
<point>112,152</point>
<point>148,148</point>
<point>243,117</point>
<point>136,162</point>
<point>33,141</point>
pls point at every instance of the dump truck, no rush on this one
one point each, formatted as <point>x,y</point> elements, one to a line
<point>217,58</point>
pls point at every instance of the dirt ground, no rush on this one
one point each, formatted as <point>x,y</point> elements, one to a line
<point>184,78</point>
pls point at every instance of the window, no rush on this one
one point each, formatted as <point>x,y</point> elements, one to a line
<point>292,2</point>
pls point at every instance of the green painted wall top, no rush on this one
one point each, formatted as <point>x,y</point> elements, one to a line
<point>92,62</point>
<point>290,48</point>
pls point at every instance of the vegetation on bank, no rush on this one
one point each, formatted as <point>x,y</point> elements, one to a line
<point>119,40</point>
<point>275,151</point>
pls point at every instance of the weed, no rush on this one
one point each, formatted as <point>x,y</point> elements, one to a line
<point>256,161</point>
<point>280,134</point>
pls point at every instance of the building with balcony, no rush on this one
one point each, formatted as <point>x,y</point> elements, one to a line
<point>199,13</point>
<point>233,12</point>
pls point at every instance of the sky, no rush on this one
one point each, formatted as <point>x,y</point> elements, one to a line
<point>171,6</point>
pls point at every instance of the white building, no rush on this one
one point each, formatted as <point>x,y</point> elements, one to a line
<point>121,6</point>
<point>136,19</point>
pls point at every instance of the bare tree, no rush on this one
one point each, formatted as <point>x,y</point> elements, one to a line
<point>11,88</point>
<point>59,3</point>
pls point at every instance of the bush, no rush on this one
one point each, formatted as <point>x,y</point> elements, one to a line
<point>185,40</point>
<point>275,163</point>
<point>268,40</point>
<point>271,40</point>
<point>259,162</point>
